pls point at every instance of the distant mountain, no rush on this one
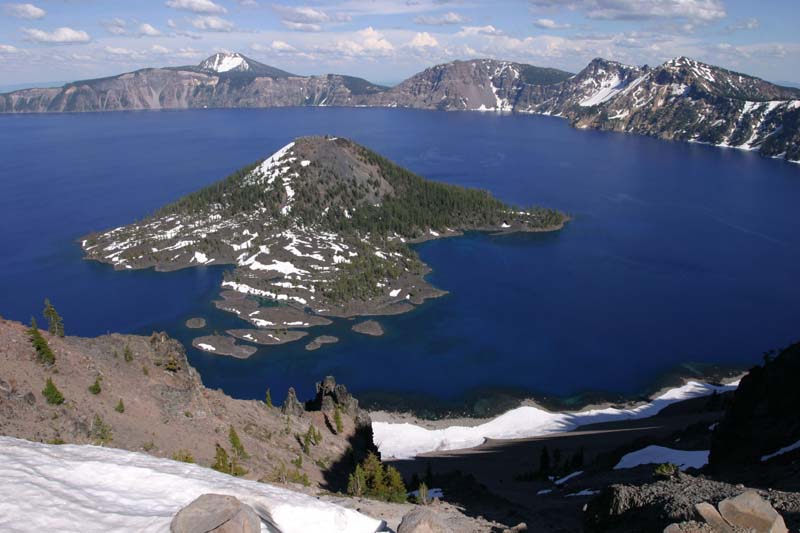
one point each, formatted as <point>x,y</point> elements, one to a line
<point>682,99</point>
<point>222,80</point>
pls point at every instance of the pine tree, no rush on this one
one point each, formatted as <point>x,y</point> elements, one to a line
<point>222,462</point>
<point>120,408</point>
<point>268,399</point>
<point>55,324</point>
<point>52,394</point>
<point>357,483</point>
<point>337,420</point>
<point>236,444</point>
<point>43,351</point>
<point>395,488</point>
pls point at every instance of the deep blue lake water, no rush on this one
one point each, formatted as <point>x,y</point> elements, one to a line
<point>679,255</point>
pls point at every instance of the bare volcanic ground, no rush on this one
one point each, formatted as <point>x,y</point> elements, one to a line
<point>167,410</point>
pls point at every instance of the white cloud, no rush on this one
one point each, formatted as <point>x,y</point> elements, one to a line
<point>282,46</point>
<point>212,23</point>
<point>697,10</point>
<point>469,31</point>
<point>197,6</point>
<point>24,11</point>
<point>364,43</point>
<point>115,26</point>
<point>8,49</point>
<point>122,52</point>
<point>147,30</point>
<point>550,24</point>
<point>441,20</point>
<point>61,35</point>
<point>744,25</point>
<point>158,49</point>
<point>172,24</point>
<point>423,40</point>
<point>301,26</point>
<point>301,14</point>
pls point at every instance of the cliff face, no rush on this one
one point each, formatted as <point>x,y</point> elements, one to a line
<point>762,420</point>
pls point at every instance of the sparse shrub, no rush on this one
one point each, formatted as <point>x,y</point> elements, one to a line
<point>100,431</point>
<point>665,470</point>
<point>120,408</point>
<point>337,420</point>
<point>184,456</point>
<point>149,446</point>
<point>127,354</point>
<point>56,440</point>
<point>268,399</point>
<point>172,364</point>
<point>95,387</point>
<point>298,461</point>
<point>52,394</point>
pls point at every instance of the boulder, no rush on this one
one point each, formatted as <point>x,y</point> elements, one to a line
<point>750,511</point>
<point>422,520</point>
<point>712,517</point>
<point>216,513</point>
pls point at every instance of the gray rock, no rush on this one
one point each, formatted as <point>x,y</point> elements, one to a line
<point>216,513</point>
<point>712,517</point>
<point>749,510</point>
<point>291,405</point>
<point>422,520</point>
<point>196,323</point>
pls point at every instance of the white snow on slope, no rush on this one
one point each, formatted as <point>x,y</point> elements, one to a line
<point>783,450</point>
<point>608,89</point>
<point>659,454</point>
<point>226,62</point>
<point>403,441</point>
<point>91,489</point>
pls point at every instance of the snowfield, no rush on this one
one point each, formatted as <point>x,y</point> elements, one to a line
<point>92,489</point>
<point>404,441</point>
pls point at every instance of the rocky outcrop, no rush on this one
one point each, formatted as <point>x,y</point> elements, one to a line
<point>745,512</point>
<point>291,405</point>
<point>653,507</point>
<point>762,418</point>
<point>423,520</point>
<point>216,513</point>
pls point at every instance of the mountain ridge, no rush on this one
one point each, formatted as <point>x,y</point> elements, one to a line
<point>681,99</point>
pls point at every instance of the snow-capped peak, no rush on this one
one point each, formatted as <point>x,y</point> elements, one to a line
<point>226,62</point>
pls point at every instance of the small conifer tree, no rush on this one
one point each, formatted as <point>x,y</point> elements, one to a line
<point>55,324</point>
<point>268,399</point>
<point>95,387</point>
<point>120,408</point>
<point>52,394</point>
<point>337,420</point>
<point>236,444</point>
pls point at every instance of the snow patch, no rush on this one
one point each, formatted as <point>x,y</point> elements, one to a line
<point>783,450</point>
<point>404,441</point>
<point>94,489</point>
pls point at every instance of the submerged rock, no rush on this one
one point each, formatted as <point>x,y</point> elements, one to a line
<point>216,513</point>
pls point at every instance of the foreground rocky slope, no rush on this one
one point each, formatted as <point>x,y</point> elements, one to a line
<point>682,99</point>
<point>321,225</point>
<point>149,399</point>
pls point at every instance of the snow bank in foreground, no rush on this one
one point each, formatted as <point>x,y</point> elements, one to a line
<point>88,489</point>
<point>403,441</point>
<point>659,454</point>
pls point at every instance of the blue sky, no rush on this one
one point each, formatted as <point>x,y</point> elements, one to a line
<point>388,40</point>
